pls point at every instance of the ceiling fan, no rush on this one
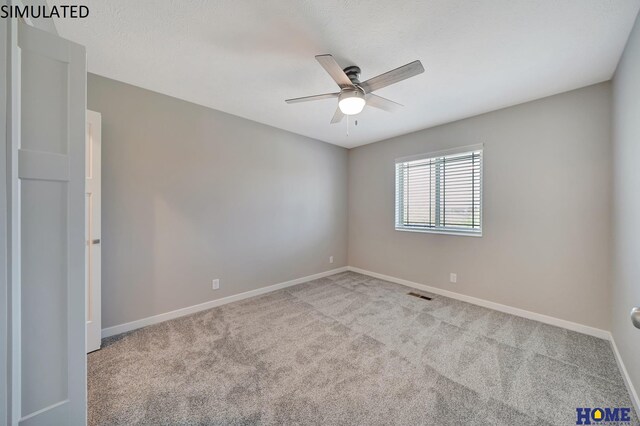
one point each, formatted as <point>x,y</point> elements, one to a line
<point>353,94</point>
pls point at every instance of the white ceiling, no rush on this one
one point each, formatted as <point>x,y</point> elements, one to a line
<point>245,57</point>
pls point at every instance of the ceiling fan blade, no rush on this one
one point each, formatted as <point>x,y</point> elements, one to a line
<point>383,80</point>
<point>382,103</point>
<point>331,66</point>
<point>313,98</point>
<point>337,117</point>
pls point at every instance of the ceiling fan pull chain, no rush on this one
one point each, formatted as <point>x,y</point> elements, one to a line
<point>347,125</point>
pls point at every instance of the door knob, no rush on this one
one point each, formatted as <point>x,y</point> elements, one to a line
<point>635,316</point>
<point>96,241</point>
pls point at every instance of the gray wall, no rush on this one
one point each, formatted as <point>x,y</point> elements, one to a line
<point>546,209</point>
<point>626,204</point>
<point>191,194</point>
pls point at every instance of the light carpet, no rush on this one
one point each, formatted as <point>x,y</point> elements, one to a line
<point>351,349</point>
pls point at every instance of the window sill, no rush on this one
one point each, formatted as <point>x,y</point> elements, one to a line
<point>442,231</point>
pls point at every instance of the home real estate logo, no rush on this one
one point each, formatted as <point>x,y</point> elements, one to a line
<point>603,416</point>
<point>34,12</point>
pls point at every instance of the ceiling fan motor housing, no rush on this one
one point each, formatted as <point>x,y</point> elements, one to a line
<point>353,72</point>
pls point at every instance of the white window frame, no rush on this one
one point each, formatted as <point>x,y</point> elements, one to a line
<point>448,230</point>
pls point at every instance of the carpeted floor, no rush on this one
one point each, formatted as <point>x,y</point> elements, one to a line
<point>351,349</point>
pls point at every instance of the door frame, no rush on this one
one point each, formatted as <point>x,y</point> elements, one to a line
<point>94,250</point>
<point>13,217</point>
<point>4,225</point>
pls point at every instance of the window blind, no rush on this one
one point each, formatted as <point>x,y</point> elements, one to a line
<point>440,193</point>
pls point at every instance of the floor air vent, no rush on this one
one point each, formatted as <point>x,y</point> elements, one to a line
<point>419,295</point>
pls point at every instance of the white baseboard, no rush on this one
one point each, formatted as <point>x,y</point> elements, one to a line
<point>580,328</point>
<point>625,375</point>
<point>122,328</point>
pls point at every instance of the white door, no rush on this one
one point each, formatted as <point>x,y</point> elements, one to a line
<point>48,109</point>
<point>93,229</point>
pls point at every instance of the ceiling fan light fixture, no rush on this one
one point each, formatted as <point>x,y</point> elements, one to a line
<point>351,102</point>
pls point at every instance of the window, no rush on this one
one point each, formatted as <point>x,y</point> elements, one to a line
<point>440,192</point>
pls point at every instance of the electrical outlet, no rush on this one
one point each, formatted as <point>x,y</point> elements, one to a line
<point>215,284</point>
<point>330,259</point>
<point>453,277</point>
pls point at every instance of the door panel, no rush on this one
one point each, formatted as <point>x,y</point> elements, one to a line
<point>44,97</point>
<point>44,243</point>
<point>51,286</point>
